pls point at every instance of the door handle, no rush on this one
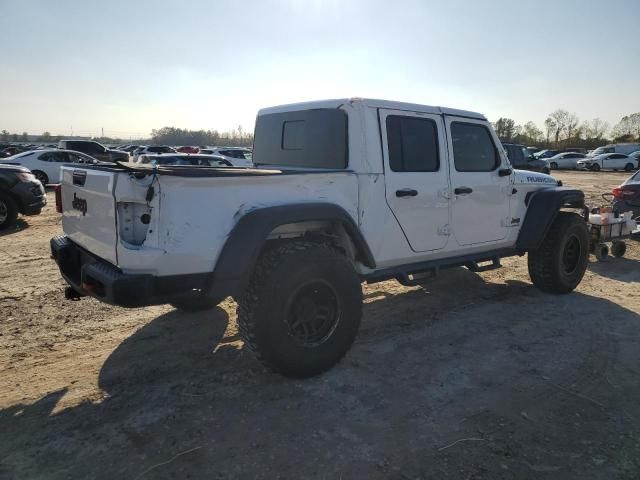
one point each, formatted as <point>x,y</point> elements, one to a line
<point>406,192</point>
<point>462,190</point>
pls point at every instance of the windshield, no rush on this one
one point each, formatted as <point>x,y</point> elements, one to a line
<point>22,154</point>
<point>601,150</point>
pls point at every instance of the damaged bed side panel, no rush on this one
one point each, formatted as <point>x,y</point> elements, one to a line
<point>199,213</point>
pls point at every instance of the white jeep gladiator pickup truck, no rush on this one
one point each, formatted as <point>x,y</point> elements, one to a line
<point>344,191</point>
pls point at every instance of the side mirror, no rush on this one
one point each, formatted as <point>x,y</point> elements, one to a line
<point>505,172</point>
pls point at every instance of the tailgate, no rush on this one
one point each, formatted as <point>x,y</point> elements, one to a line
<point>88,210</point>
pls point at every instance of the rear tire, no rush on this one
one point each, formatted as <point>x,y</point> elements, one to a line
<point>302,308</point>
<point>197,303</point>
<point>42,177</point>
<point>8,211</point>
<point>558,265</point>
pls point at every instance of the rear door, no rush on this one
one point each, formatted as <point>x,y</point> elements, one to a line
<point>88,208</point>
<point>614,161</point>
<point>480,201</point>
<point>416,177</point>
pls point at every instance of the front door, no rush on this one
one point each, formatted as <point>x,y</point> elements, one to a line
<point>480,201</point>
<point>416,176</point>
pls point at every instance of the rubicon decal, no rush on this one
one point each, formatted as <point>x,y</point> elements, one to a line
<point>79,204</point>
<point>541,180</point>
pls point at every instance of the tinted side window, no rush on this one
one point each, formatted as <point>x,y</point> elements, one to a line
<point>413,144</point>
<point>293,134</point>
<point>77,146</point>
<point>515,155</point>
<point>323,144</point>
<point>473,148</point>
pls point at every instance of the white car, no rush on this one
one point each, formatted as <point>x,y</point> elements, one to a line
<point>238,156</point>
<point>566,160</point>
<point>405,192</point>
<point>151,149</point>
<point>45,164</point>
<point>608,161</point>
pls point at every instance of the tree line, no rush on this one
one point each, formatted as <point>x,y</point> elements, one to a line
<point>563,129</point>
<point>179,136</point>
<point>164,136</point>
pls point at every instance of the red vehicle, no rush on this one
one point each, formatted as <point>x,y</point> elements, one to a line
<point>187,149</point>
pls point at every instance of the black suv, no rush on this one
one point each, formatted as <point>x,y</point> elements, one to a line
<point>522,159</point>
<point>94,149</point>
<point>20,192</point>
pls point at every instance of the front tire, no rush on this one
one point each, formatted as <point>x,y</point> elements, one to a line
<point>558,265</point>
<point>618,248</point>
<point>628,167</point>
<point>42,177</point>
<point>301,310</point>
<point>553,165</point>
<point>595,167</point>
<point>8,211</point>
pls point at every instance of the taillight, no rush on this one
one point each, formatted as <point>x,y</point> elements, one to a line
<point>622,193</point>
<point>58,192</point>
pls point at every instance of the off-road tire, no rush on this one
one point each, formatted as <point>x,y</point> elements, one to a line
<point>286,290</point>
<point>553,165</point>
<point>595,168</point>
<point>9,211</point>
<point>618,248</point>
<point>42,177</point>
<point>197,303</point>
<point>558,265</point>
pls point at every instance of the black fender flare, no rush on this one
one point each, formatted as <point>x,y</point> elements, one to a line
<point>246,241</point>
<point>542,209</point>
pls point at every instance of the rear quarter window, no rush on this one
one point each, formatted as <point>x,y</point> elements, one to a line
<point>307,138</point>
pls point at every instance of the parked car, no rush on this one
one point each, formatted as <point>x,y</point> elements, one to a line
<point>566,160</point>
<point>12,150</point>
<point>20,192</point>
<point>626,197</point>
<point>45,164</point>
<point>548,153</point>
<point>129,148</point>
<point>94,149</point>
<point>522,159</point>
<point>576,150</point>
<point>608,161</point>
<point>624,148</point>
<point>144,149</point>
<point>187,149</point>
<point>238,156</point>
<point>422,189</point>
<point>636,155</point>
<point>184,159</point>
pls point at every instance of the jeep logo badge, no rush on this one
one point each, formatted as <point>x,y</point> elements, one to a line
<point>79,204</point>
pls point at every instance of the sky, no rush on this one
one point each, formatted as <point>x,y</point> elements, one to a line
<point>130,66</point>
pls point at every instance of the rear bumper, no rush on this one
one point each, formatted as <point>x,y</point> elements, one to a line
<point>93,276</point>
<point>32,197</point>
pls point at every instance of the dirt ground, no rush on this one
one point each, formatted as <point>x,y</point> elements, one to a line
<point>474,376</point>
